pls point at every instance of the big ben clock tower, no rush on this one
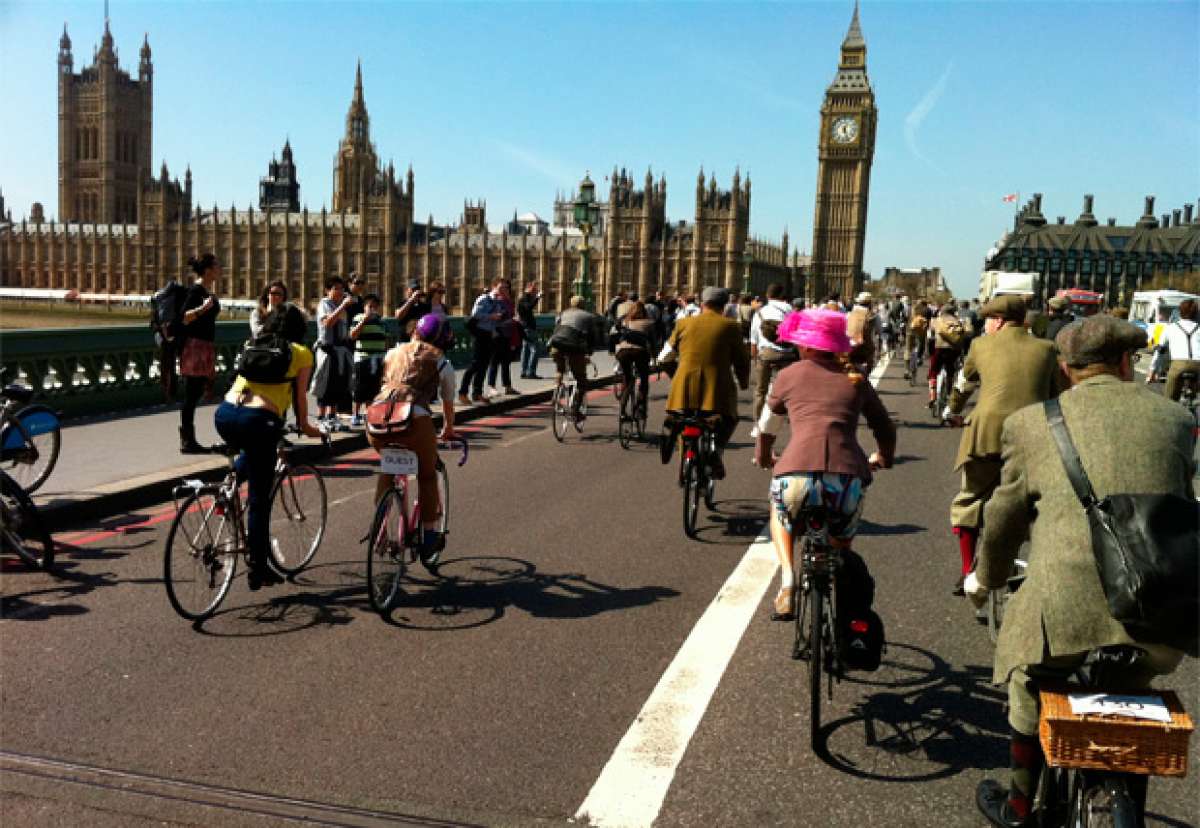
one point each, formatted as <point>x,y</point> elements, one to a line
<point>846,147</point>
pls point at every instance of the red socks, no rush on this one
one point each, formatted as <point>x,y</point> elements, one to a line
<point>967,538</point>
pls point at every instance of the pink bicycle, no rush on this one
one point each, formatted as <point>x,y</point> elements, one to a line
<point>396,531</point>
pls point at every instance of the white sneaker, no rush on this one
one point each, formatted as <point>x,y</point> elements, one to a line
<point>754,432</point>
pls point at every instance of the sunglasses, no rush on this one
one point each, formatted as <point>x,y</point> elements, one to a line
<point>276,293</point>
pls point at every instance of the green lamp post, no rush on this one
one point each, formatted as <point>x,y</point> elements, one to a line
<point>746,260</point>
<point>586,216</point>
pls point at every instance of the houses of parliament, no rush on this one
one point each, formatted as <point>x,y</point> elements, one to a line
<point>123,229</point>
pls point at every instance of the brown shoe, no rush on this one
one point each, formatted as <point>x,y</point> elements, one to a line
<point>463,399</point>
<point>510,391</point>
<point>785,604</point>
<point>479,398</point>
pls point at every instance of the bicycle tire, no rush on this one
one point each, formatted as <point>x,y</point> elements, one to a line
<point>386,551</point>
<point>691,497</point>
<point>299,515</point>
<point>47,442</point>
<point>816,657</point>
<point>1100,802</point>
<point>559,418</point>
<point>200,557</point>
<point>24,534</point>
<point>578,419</point>
<point>642,406</point>
<point>626,426</point>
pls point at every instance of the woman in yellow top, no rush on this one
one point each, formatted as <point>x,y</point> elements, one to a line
<point>251,420</point>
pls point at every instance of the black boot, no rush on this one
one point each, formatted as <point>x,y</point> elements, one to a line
<point>992,799</point>
<point>187,442</point>
<point>262,575</point>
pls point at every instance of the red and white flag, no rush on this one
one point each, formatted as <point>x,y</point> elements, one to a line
<point>1010,198</point>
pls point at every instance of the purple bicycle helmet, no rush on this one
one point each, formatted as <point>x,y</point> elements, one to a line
<point>435,329</point>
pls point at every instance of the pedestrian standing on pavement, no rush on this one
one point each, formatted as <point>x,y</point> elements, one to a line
<point>1012,370</point>
<point>251,420</point>
<point>370,344</point>
<point>527,313</point>
<point>481,325</point>
<point>437,299</point>
<point>274,296</point>
<point>198,361</point>
<point>767,353</point>
<point>1128,439</point>
<point>1182,343</point>
<point>505,343</point>
<point>331,377</point>
<point>416,305</point>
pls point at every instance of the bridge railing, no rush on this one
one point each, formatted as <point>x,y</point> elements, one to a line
<point>86,371</point>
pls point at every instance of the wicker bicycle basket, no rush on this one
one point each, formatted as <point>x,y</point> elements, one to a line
<point>1111,743</point>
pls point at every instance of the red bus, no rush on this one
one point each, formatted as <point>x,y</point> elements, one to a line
<point>1083,302</point>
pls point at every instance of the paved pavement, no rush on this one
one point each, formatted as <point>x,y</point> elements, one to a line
<point>570,642</point>
<point>112,462</point>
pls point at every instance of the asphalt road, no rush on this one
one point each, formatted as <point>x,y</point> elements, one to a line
<point>499,693</point>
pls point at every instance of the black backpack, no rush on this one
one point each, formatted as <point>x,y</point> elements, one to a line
<point>166,311</point>
<point>265,359</point>
<point>861,634</point>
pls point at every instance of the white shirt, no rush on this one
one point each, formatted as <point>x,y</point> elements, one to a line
<point>1183,339</point>
<point>447,387</point>
<point>775,310</point>
<point>691,310</point>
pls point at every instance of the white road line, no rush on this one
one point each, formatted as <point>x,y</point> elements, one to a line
<point>629,792</point>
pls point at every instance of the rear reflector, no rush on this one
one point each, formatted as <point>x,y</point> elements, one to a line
<point>858,626</point>
<point>691,431</point>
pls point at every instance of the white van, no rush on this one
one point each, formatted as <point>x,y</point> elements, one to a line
<point>1144,310</point>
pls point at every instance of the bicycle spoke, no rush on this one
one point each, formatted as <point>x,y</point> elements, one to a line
<point>200,557</point>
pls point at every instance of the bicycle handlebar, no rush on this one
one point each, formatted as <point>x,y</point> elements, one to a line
<point>462,441</point>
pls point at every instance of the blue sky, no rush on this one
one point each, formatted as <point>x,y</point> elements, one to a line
<point>513,101</point>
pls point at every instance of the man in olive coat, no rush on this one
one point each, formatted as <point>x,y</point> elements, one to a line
<point>1012,370</point>
<point>710,355</point>
<point>1129,439</point>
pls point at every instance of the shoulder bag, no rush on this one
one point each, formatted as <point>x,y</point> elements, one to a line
<point>1147,549</point>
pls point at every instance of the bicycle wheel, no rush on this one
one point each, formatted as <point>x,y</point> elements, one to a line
<point>912,369</point>
<point>22,532</point>
<point>816,657</point>
<point>200,557</point>
<point>299,514</point>
<point>626,423</point>
<point>386,550</point>
<point>577,394</point>
<point>31,448</point>
<point>1101,802</point>
<point>560,411</point>
<point>640,416</point>
<point>691,496</point>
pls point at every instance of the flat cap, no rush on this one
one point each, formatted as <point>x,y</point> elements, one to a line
<point>1058,303</point>
<point>864,297</point>
<point>715,296</point>
<point>1008,307</point>
<point>1098,338</point>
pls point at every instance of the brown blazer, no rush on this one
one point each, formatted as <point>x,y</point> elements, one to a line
<point>1013,370</point>
<point>822,405</point>
<point>710,353</point>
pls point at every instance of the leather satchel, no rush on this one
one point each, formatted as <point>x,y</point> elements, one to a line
<point>389,416</point>
<point>1147,549</point>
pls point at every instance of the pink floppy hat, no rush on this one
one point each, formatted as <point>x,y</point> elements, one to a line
<point>817,328</point>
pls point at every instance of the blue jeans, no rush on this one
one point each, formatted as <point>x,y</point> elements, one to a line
<point>529,354</point>
<point>256,432</point>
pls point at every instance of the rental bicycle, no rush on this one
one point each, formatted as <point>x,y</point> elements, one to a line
<point>396,535</point>
<point>30,438</point>
<point>570,405</point>
<point>698,451</point>
<point>22,532</point>
<point>209,532</point>
<point>816,639</point>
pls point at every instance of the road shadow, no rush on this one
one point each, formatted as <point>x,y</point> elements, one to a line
<point>23,606</point>
<point>924,723</point>
<point>867,527</point>
<point>733,522</point>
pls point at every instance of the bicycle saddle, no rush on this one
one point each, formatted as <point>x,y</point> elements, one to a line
<point>20,393</point>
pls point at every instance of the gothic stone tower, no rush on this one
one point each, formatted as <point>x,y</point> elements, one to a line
<point>104,134</point>
<point>846,147</point>
<point>356,163</point>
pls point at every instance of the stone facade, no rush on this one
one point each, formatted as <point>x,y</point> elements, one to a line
<point>1108,258</point>
<point>846,149</point>
<point>112,248</point>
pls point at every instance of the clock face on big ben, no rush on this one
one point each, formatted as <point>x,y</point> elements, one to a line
<point>844,131</point>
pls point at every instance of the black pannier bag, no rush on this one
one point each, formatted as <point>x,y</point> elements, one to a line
<point>861,635</point>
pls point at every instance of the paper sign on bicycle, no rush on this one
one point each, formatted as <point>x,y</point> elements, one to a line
<point>397,461</point>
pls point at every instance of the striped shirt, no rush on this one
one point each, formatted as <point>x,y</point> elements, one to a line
<point>372,339</point>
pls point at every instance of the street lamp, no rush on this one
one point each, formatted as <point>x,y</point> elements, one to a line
<point>746,260</point>
<point>586,215</point>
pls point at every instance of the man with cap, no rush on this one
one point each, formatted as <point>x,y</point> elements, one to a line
<point>1060,613</point>
<point>1012,370</point>
<point>577,333</point>
<point>710,352</point>
<point>1059,317</point>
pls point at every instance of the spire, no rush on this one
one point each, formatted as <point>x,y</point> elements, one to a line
<point>358,92</point>
<point>145,53</point>
<point>854,36</point>
<point>64,42</point>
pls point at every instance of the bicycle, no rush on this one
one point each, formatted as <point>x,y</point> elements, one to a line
<point>698,449</point>
<point>944,382</point>
<point>396,534</point>
<point>631,416</point>
<point>22,532</point>
<point>1071,793</point>
<point>30,438</point>
<point>570,406</point>
<point>209,532</point>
